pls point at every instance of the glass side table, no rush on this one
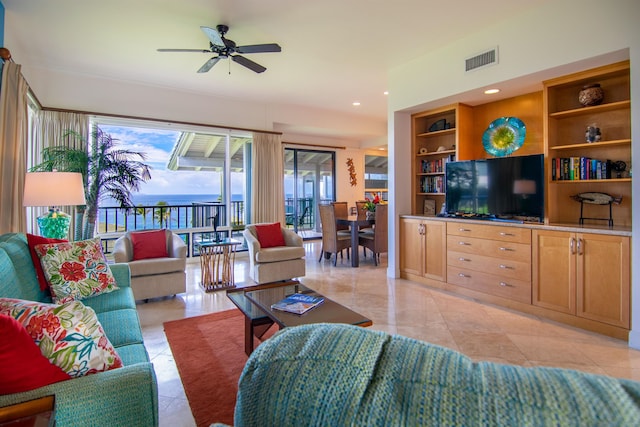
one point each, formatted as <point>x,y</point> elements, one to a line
<point>216,263</point>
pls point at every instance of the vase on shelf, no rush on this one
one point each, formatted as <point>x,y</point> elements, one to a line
<point>591,95</point>
<point>370,215</point>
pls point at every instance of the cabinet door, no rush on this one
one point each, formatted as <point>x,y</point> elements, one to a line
<point>435,243</point>
<point>412,246</point>
<point>554,270</point>
<point>603,278</point>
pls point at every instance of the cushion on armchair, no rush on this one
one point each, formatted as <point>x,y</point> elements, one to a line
<point>149,244</point>
<point>270,235</point>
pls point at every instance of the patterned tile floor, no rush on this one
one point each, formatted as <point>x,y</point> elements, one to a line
<point>483,332</point>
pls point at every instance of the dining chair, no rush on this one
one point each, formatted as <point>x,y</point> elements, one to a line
<point>376,242</point>
<point>362,214</point>
<point>342,211</point>
<point>332,242</point>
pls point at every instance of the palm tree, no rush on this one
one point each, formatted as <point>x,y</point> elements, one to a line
<point>163,214</point>
<point>106,171</point>
<point>140,211</point>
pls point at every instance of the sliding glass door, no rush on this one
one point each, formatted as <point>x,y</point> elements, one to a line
<point>309,180</point>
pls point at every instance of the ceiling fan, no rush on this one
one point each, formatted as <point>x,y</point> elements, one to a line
<point>225,48</point>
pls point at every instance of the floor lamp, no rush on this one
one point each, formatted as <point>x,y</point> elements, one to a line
<point>54,189</point>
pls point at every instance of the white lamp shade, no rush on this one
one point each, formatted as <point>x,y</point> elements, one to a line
<point>53,189</point>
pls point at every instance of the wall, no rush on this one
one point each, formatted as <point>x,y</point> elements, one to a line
<point>552,40</point>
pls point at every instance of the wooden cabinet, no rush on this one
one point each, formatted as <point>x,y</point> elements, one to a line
<point>490,259</point>
<point>437,134</point>
<point>583,274</point>
<point>423,252</point>
<point>566,122</point>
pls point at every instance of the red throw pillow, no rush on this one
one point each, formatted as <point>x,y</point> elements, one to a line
<point>270,235</point>
<point>32,241</point>
<point>149,244</point>
<point>22,365</point>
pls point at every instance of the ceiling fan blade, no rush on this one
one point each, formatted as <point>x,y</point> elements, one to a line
<point>248,63</point>
<point>184,50</point>
<point>209,64</point>
<point>213,36</point>
<point>258,48</point>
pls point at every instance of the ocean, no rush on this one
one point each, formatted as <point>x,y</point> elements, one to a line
<point>171,199</point>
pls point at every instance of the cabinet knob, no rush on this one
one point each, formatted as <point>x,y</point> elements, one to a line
<point>507,249</point>
<point>464,259</point>
<point>580,248</point>
<point>572,245</point>
<point>506,267</point>
<point>464,243</point>
<point>464,275</point>
<point>463,229</point>
<point>502,233</point>
<point>505,285</point>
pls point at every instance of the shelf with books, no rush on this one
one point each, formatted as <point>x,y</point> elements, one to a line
<point>602,165</point>
<point>436,136</point>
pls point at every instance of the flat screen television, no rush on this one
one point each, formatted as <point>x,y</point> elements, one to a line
<point>503,188</point>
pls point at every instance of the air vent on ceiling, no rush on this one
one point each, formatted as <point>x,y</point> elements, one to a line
<point>484,59</point>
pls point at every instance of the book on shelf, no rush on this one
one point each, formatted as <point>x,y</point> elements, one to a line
<point>579,169</point>
<point>298,303</point>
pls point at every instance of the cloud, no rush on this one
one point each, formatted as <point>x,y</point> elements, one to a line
<point>157,145</point>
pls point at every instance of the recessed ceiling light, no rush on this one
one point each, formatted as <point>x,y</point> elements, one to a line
<point>491,91</point>
<point>386,92</point>
<point>356,103</point>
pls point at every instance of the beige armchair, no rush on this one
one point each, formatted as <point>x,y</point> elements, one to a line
<point>277,263</point>
<point>155,277</point>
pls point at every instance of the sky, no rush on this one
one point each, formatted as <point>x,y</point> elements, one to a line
<point>157,144</point>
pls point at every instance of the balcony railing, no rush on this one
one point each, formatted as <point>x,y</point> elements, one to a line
<point>193,222</point>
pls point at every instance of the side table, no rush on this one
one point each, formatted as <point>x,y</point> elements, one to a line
<point>216,263</point>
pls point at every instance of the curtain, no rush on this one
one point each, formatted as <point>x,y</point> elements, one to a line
<point>13,148</point>
<point>267,179</point>
<point>48,129</point>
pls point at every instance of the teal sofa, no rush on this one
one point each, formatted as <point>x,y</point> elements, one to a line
<point>126,396</point>
<point>342,375</point>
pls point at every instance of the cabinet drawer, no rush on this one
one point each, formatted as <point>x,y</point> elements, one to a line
<point>490,248</point>
<point>493,232</point>
<point>513,289</point>
<point>506,268</point>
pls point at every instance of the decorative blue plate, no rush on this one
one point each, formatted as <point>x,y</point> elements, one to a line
<point>504,136</point>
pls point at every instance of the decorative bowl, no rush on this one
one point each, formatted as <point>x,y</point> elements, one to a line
<point>504,136</point>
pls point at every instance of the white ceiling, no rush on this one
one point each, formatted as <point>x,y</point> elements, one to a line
<point>334,52</point>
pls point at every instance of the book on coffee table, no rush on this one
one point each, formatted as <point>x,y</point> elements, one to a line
<point>298,303</point>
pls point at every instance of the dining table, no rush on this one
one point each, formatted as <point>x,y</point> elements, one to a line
<point>354,223</point>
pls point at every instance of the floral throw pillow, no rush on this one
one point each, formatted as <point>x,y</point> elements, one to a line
<point>75,270</point>
<point>69,335</point>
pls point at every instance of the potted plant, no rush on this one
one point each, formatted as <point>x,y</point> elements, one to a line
<point>370,205</point>
<point>106,170</point>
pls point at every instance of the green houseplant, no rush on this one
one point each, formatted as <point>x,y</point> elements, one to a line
<point>106,171</point>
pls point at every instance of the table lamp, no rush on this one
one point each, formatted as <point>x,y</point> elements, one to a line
<point>53,189</point>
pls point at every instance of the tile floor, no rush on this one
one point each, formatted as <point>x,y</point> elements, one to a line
<point>483,332</point>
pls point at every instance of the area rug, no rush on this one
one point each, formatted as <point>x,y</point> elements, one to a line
<point>209,353</point>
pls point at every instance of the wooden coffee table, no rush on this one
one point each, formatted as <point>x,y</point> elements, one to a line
<point>255,304</point>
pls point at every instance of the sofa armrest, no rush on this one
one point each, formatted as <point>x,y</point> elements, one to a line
<point>291,238</point>
<point>253,245</point>
<point>177,247</point>
<point>122,274</point>
<point>124,396</point>
<point>122,250</point>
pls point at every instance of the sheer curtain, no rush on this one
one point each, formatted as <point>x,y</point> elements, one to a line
<point>267,178</point>
<point>13,148</point>
<point>48,129</point>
